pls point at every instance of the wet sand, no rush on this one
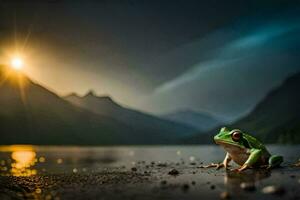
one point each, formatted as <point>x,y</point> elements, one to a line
<point>154,180</point>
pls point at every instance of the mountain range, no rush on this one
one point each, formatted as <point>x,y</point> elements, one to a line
<point>32,114</point>
<point>143,122</point>
<point>275,119</point>
<point>202,121</point>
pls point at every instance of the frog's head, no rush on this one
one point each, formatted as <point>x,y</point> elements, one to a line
<point>228,137</point>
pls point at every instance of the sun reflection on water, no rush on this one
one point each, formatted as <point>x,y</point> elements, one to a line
<point>22,161</point>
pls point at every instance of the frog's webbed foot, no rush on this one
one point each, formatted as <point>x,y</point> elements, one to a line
<point>216,165</point>
<point>240,169</point>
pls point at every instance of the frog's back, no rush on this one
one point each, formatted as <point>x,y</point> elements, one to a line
<point>255,143</point>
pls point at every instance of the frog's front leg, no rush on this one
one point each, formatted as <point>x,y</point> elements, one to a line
<point>224,164</point>
<point>254,156</point>
<point>226,161</point>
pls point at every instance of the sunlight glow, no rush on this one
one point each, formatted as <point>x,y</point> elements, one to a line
<point>17,63</point>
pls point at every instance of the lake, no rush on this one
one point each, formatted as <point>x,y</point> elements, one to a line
<point>154,162</point>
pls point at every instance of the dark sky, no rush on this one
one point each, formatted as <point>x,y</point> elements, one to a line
<point>216,56</point>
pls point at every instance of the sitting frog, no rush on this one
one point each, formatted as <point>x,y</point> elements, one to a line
<point>244,150</point>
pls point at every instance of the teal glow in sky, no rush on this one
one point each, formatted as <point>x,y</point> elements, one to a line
<point>241,49</point>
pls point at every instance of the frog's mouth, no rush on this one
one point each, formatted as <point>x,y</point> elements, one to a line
<point>223,143</point>
<point>230,146</point>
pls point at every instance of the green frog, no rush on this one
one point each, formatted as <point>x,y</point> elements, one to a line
<point>245,150</point>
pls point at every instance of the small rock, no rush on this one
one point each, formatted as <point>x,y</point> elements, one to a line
<point>193,183</point>
<point>297,164</point>
<point>248,186</point>
<point>185,187</point>
<point>162,165</point>
<point>212,187</point>
<point>134,169</point>
<point>278,190</point>
<point>224,195</point>
<point>163,182</point>
<point>293,176</point>
<point>173,172</point>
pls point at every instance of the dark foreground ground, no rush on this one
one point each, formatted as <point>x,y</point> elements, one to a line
<point>153,181</point>
<point>140,173</point>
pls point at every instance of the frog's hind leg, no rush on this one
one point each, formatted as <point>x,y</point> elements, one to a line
<point>275,161</point>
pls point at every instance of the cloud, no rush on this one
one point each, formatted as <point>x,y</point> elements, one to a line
<point>246,45</point>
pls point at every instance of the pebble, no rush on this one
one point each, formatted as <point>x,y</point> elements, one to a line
<point>272,189</point>
<point>173,172</point>
<point>224,195</point>
<point>185,187</point>
<point>248,186</point>
<point>134,169</point>
<point>212,187</point>
<point>162,165</point>
<point>297,164</point>
<point>193,183</point>
<point>38,191</point>
<point>192,158</point>
<point>59,161</point>
<point>164,182</point>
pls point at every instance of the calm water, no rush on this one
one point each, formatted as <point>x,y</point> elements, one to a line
<point>30,160</point>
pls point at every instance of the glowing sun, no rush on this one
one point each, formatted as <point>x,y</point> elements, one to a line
<point>16,63</point>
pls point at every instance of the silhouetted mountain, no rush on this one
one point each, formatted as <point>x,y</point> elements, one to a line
<point>31,114</point>
<point>200,120</point>
<point>145,123</point>
<point>276,119</point>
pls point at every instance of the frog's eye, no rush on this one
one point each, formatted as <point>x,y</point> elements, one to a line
<point>236,136</point>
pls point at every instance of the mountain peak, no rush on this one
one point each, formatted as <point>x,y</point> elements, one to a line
<point>90,93</point>
<point>107,98</point>
<point>73,94</point>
